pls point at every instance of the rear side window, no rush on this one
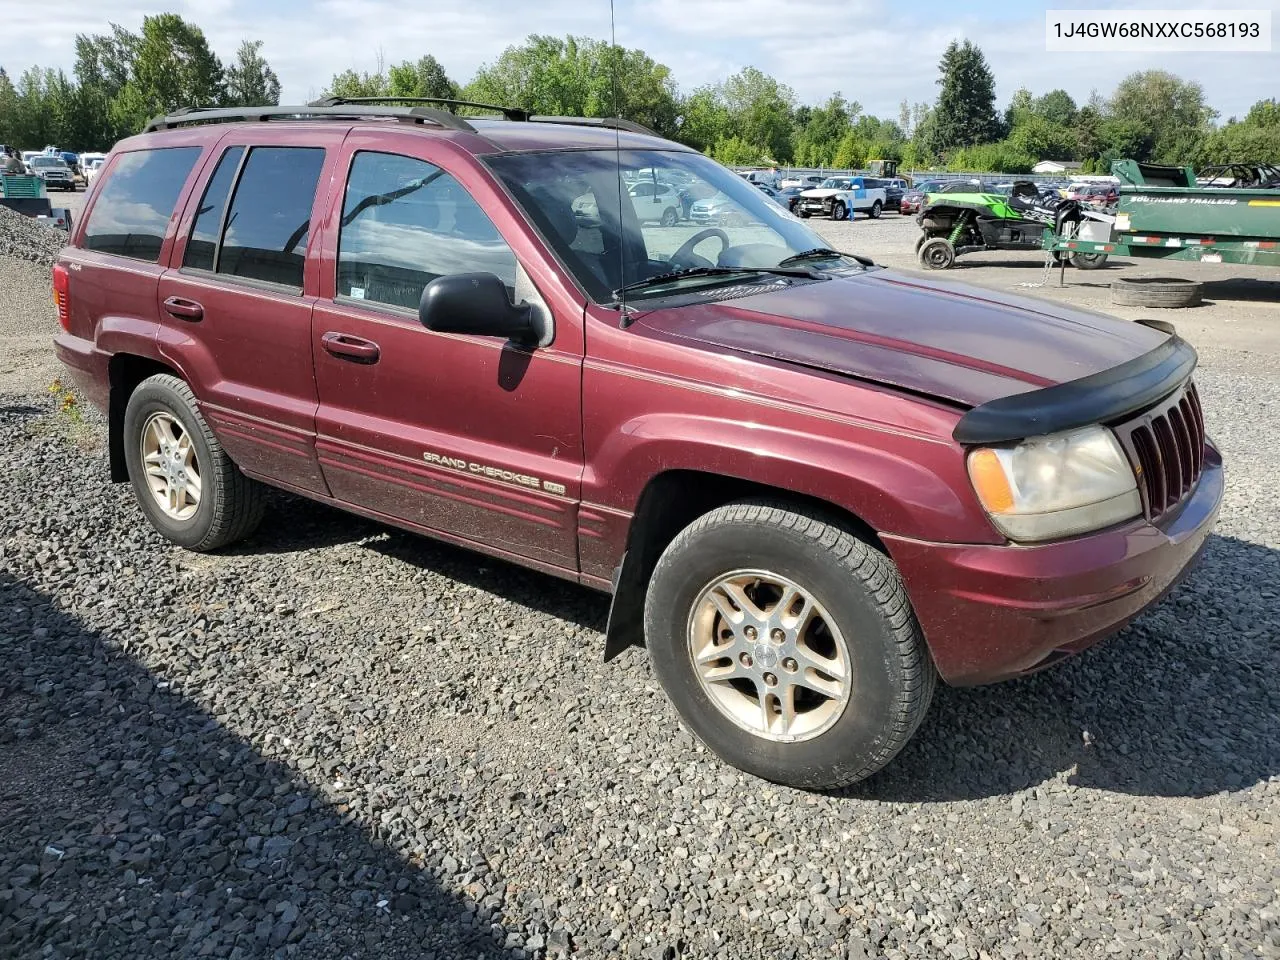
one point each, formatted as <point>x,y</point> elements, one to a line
<point>136,201</point>
<point>208,226</point>
<point>270,216</point>
<point>405,223</point>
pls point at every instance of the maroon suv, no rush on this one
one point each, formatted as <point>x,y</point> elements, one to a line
<point>811,484</point>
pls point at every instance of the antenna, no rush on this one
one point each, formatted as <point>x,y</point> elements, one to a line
<point>617,152</point>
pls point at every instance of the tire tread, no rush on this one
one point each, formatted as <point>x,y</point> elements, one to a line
<point>880,577</point>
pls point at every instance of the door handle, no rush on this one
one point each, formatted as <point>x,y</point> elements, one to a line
<point>346,347</point>
<point>184,309</point>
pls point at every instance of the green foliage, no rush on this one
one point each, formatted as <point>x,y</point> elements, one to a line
<point>1169,112</point>
<point>966,111</point>
<point>1056,107</point>
<point>575,76</point>
<point>735,151</point>
<point>123,79</point>
<point>348,83</point>
<point>1264,113</point>
<point>1002,157</point>
<point>250,80</point>
<point>426,78</point>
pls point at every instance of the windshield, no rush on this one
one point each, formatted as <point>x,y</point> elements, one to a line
<point>687,213</point>
<point>835,183</point>
<point>47,162</point>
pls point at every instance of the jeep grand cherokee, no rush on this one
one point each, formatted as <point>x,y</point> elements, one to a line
<point>810,484</point>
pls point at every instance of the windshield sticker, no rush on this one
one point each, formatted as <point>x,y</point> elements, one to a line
<point>357,292</point>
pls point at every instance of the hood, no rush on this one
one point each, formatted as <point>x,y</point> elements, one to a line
<point>946,340</point>
<point>821,192</point>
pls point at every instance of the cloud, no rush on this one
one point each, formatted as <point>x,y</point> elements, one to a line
<point>877,52</point>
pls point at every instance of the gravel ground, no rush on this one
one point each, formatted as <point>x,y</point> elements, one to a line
<point>339,740</point>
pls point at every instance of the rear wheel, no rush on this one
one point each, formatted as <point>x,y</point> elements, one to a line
<point>787,645</point>
<point>670,217</point>
<point>1088,261</point>
<point>183,480</point>
<point>937,253</point>
<point>838,210</point>
<point>876,209</point>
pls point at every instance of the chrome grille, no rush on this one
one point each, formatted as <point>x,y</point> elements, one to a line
<point>1166,445</point>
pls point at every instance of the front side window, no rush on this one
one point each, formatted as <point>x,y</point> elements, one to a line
<point>270,217</point>
<point>136,201</point>
<point>406,222</point>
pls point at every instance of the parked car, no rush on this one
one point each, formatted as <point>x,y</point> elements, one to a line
<point>53,171</point>
<point>789,196</point>
<point>658,201</point>
<point>839,197</point>
<point>805,182</point>
<point>894,190</point>
<point>724,209</point>
<point>95,166</point>
<point>913,198</point>
<point>811,485</point>
<point>772,194</point>
<point>1101,194</point>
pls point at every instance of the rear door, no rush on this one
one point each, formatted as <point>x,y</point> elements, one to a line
<point>236,311</point>
<point>464,436</point>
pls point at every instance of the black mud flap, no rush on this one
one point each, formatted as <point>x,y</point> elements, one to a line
<point>625,627</point>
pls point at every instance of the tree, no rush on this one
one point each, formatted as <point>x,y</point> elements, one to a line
<point>704,119</point>
<point>578,76</point>
<point>348,83</point>
<point>760,110</point>
<point>1264,113</point>
<point>1057,107</point>
<point>250,80</point>
<point>106,61</point>
<point>426,78</point>
<point>172,67</point>
<point>966,109</point>
<point>1020,108</point>
<point>1170,112</point>
<point>816,141</point>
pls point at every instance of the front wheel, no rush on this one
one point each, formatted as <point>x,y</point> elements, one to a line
<point>937,254</point>
<point>876,209</point>
<point>787,645</point>
<point>838,211</point>
<point>183,480</point>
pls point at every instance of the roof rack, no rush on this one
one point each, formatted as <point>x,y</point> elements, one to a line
<point>613,123</point>
<point>510,113</point>
<point>193,115</point>
<point>354,107</point>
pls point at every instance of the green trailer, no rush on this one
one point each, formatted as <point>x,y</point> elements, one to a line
<point>1164,214</point>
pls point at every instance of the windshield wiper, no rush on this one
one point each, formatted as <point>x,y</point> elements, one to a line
<point>662,278</point>
<point>824,253</point>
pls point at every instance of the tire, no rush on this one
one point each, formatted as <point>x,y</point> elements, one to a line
<point>1156,292</point>
<point>670,217</point>
<point>920,241</point>
<point>804,214</point>
<point>889,678</point>
<point>229,506</point>
<point>876,209</point>
<point>1088,261</point>
<point>838,210</point>
<point>937,253</point>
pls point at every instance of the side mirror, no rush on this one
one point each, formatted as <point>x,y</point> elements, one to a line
<point>477,304</point>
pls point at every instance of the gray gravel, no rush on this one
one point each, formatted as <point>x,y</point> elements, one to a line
<point>25,238</point>
<point>339,740</point>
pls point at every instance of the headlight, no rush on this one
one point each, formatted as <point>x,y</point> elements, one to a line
<point>1056,485</point>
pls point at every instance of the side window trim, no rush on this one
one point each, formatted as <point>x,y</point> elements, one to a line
<point>231,196</point>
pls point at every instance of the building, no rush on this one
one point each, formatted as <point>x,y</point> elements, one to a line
<point>1056,166</point>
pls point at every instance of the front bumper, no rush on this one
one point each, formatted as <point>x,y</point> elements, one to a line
<point>815,206</point>
<point>994,612</point>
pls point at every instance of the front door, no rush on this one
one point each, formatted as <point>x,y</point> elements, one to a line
<point>465,436</point>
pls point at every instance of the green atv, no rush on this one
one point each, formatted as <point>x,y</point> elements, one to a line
<point>956,223</point>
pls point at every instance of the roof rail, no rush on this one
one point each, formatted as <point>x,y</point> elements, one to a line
<point>613,123</point>
<point>187,116</point>
<point>510,113</point>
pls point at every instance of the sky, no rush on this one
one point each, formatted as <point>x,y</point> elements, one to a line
<point>876,52</point>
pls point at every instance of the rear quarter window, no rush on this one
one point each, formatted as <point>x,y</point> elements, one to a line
<point>136,200</point>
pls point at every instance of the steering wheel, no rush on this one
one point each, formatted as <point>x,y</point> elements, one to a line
<point>685,257</point>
